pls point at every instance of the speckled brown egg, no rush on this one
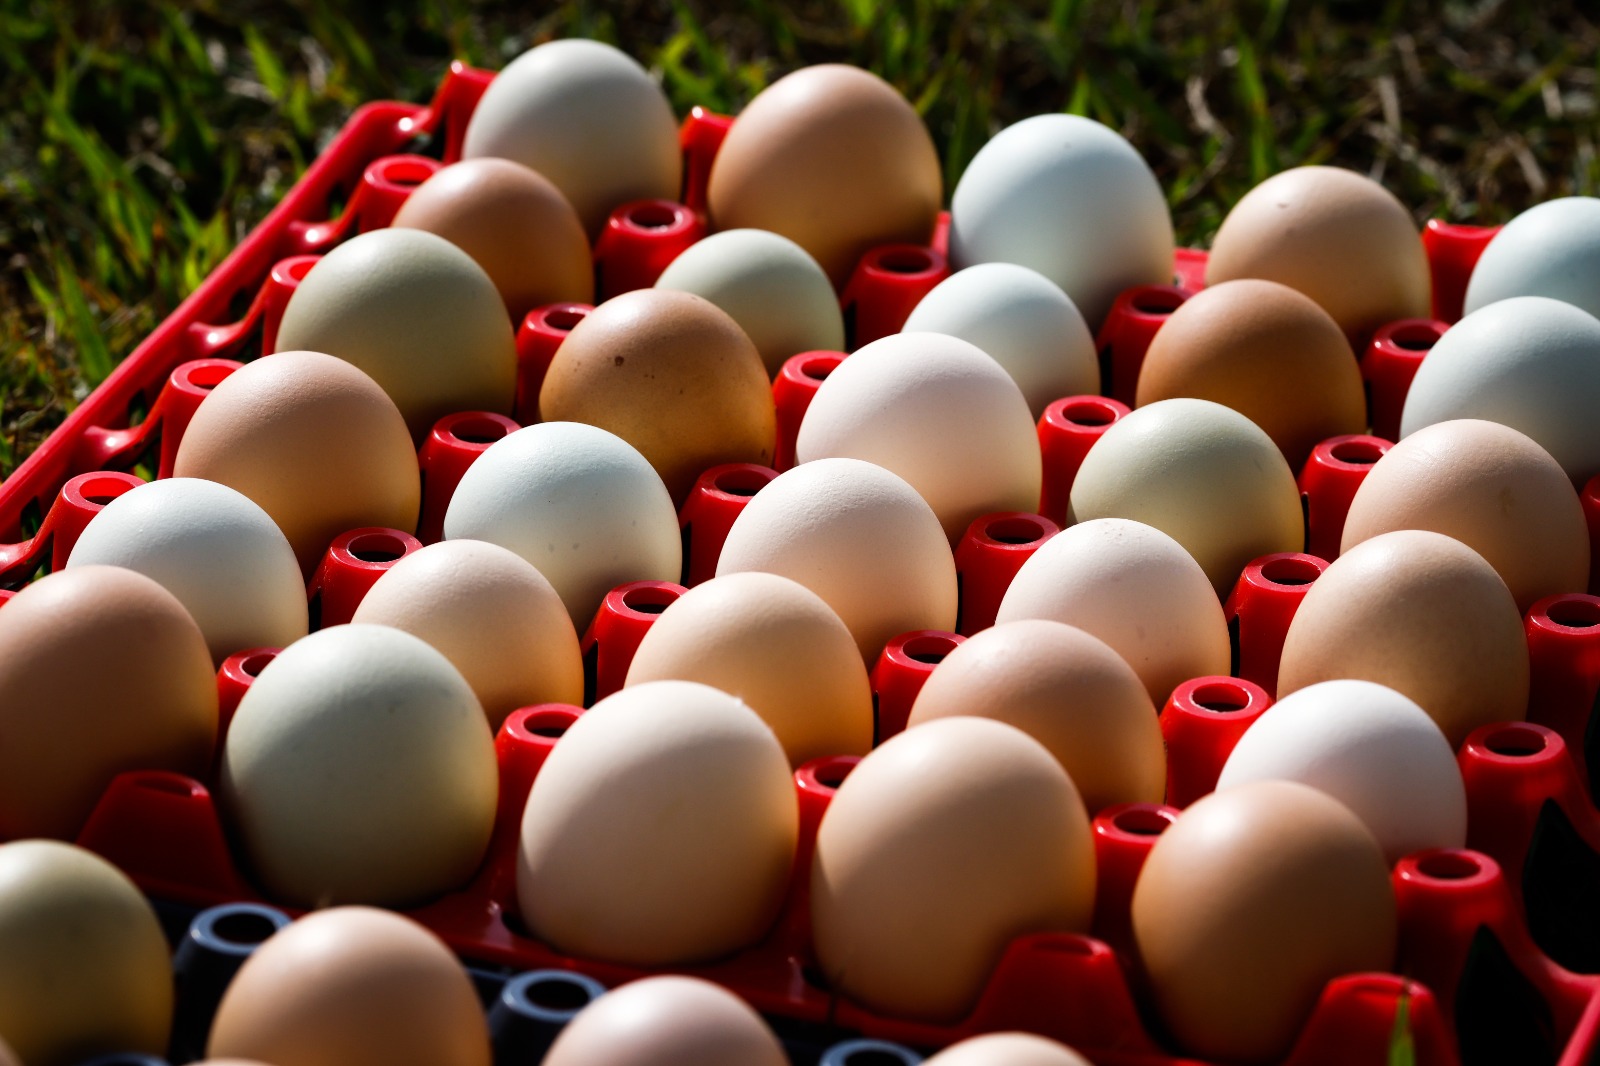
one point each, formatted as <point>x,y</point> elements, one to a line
<point>671,374</point>
<point>667,1021</point>
<point>515,224</point>
<point>1266,351</point>
<point>1335,235</point>
<point>835,159</point>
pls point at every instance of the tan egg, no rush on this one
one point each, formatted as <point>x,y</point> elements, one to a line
<point>314,442</point>
<point>667,1021</point>
<point>1133,587</point>
<point>777,646</point>
<point>835,159</point>
<point>493,616</point>
<point>942,846</point>
<point>9,1057</point>
<point>1266,351</point>
<point>671,374</point>
<point>101,671</point>
<point>1424,615</point>
<point>84,968</point>
<point>515,224</point>
<point>1247,905</point>
<point>1007,1049</point>
<point>1335,235</point>
<point>857,536</point>
<point>1200,472</point>
<point>417,314</point>
<point>1491,488</point>
<point>1070,692</point>
<point>352,986</point>
<point>677,779</point>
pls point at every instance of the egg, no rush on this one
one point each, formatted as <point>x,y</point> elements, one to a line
<point>514,224</point>
<point>352,986</point>
<point>1068,690</point>
<point>1247,905</point>
<point>578,503</point>
<point>314,442</point>
<point>1422,614</point>
<point>1266,351</point>
<point>777,646</point>
<point>9,1057</point>
<point>586,116</point>
<point>1528,362</point>
<point>1489,487</point>
<point>1007,1049</point>
<point>1335,235</point>
<point>670,777</point>
<point>767,284</point>
<point>1200,472</point>
<point>359,768</point>
<point>1551,249</point>
<point>1070,198</point>
<point>674,376</point>
<point>943,845</point>
<point>1370,748</point>
<point>101,671</point>
<point>939,413</point>
<point>1136,589</point>
<point>213,548</point>
<point>834,158</point>
<point>857,536</point>
<point>84,968</point>
<point>417,314</point>
<point>667,1021</point>
<point>495,617</point>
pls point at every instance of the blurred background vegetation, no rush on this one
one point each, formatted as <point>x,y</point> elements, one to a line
<point>141,140</point>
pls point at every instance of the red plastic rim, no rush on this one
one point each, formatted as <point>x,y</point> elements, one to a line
<point>1220,697</point>
<point>1452,865</point>
<point>1573,612</point>
<point>402,171</point>
<point>374,547</point>
<point>928,648</point>
<point>1143,820</point>
<point>1291,570</point>
<point>98,488</point>
<point>470,427</point>
<point>741,481</point>
<point>649,600</point>
<point>293,271</point>
<point>1092,411</point>
<point>203,375</point>
<point>818,367</point>
<point>1357,451</point>
<point>1411,336</point>
<point>827,773</point>
<point>1015,530</point>
<point>1516,740</point>
<point>255,662</point>
<point>562,319</point>
<point>656,215</point>
<point>542,724</point>
<point>904,259</point>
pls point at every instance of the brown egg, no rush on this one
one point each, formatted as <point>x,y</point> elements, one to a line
<point>1335,235</point>
<point>1266,351</point>
<point>1424,615</point>
<point>352,986</point>
<point>667,1021</point>
<point>1007,1049</point>
<point>515,223</point>
<point>671,374</point>
<point>9,1057</point>
<point>833,158</point>
<point>101,671</point>
<point>1069,691</point>
<point>1491,488</point>
<point>314,442</point>
<point>1248,904</point>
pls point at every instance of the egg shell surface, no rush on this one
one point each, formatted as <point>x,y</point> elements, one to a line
<point>667,1021</point>
<point>1007,1049</point>
<point>1551,249</point>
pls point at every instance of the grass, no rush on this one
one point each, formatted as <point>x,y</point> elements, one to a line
<point>141,141</point>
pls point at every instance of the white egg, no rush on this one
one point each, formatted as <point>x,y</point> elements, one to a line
<point>1070,198</point>
<point>213,548</point>
<point>1528,362</point>
<point>1551,249</point>
<point>581,504</point>
<point>939,413</point>
<point>1023,321</point>
<point>1370,748</point>
<point>769,285</point>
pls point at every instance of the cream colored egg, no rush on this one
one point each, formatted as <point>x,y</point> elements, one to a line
<point>1068,690</point>
<point>667,1021</point>
<point>1020,319</point>
<point>777,646</point>
<point>769,285</point>
<point>1203,474</point>
<point>939,413</point>
<point>674,778</point>
<point>578,503</point>
<point>359,768</point>
<point>586,116</point>
<point>1007,1049</point>
<point>84,969</point>
<point>946,842</point>
<point>857,536</point>
<point>1135,588</point>
<point>416,313</point>
<point>214,549</point>
<point>493,616</point>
